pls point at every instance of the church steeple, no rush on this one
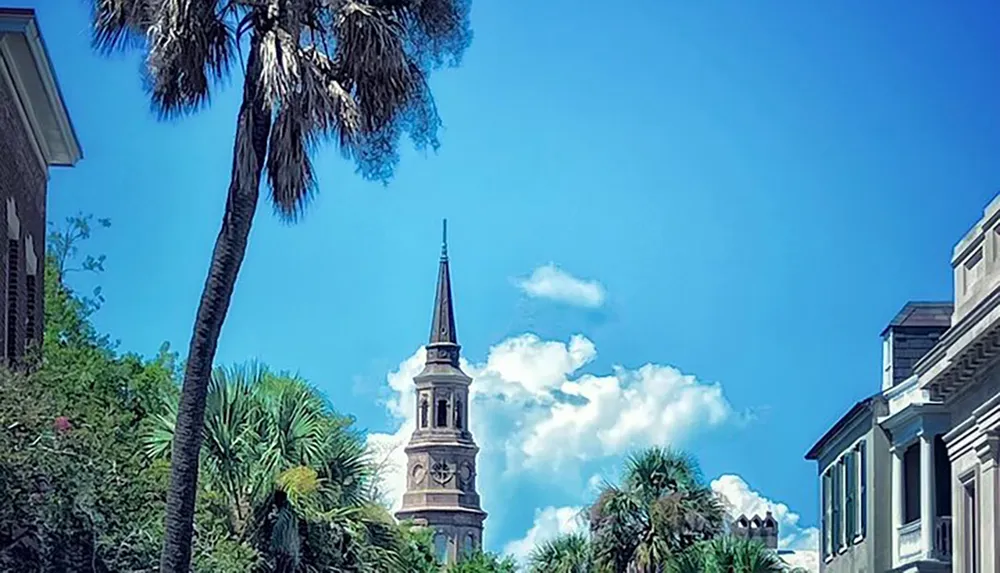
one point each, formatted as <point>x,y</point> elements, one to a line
<point>441,489</point>
<point>443,347</point>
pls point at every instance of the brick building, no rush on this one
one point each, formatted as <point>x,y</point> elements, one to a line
<point>35,134</point>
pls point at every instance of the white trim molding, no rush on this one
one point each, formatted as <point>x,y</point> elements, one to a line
<point>30,257</point>
<point>13,221</point>
<point>28,71</point>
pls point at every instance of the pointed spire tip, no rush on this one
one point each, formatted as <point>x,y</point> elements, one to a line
<point>444,238</point>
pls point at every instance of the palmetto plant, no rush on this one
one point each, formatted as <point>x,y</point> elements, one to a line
<point>569,553</point>
<point>353,72</point>
<point>283,462</point>
<point>661,507</point>
<point>729,555</point>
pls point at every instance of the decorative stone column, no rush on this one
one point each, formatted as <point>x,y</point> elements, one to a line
<point>897,501</point>
<point>928,491</point>
<point>987,502</point>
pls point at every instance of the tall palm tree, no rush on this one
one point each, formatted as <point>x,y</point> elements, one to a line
<point>569,553</point>
<point>350,71</point>
<point>662,507</point>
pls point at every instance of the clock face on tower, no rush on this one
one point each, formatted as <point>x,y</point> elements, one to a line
<point>442,472</point>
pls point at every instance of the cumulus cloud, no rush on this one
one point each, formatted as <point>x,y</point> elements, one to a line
<point>553,283</point>
<point>549,523</point>
<point>537,412</point>
<point>801,542</point>
<point>534,410</point>
<point>808,560</point>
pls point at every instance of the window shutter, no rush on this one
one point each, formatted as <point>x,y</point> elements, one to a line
<point>30,309</point>
<point>827,515</point>
<point>838,502</point>
<point>863,487</point>
<point>13,282</point>
<point>850,497</point>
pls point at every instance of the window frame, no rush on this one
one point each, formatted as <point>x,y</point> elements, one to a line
<point>971,524</point>
<point>850,497</point>
<point>862,490</point>
<point>838,510</point>
<point>826,488</point>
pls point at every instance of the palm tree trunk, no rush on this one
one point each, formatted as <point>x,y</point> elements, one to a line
<point>252,129</point>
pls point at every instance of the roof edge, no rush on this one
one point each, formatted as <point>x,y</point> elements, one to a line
<point>908,309</point>
<point>847,418</point>
<point>22,21</point>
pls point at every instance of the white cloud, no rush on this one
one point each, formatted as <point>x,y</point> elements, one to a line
<point>551,282</point>
<point>622,411</point>
<point>549,523</point>
<point>808,560</point>
<point>804,541</point>
<point>533,410</point>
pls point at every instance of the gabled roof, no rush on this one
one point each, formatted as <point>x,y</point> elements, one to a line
<point>25,64</point>
<point>922,315</point>
<point>859,408</point>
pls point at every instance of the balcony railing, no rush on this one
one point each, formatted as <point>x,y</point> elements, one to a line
<point>911,547</point>
<point>942,538</point>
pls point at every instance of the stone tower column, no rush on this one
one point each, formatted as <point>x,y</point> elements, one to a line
<point>441,456</point>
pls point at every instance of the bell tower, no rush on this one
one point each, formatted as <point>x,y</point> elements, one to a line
<point>441,456</point>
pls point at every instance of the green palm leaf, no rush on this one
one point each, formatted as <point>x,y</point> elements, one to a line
<point>569,553</point>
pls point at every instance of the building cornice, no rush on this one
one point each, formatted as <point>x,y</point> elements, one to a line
<point>976,433</point>
<point>28,70</point>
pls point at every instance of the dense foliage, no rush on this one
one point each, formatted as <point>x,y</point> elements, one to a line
<point>288,485</point>
<point>74,493</point>
<point>84,461</point>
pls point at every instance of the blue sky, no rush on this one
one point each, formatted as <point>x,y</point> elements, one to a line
<point>756,187</point>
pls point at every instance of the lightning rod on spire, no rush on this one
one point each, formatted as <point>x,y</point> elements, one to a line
<point>444,238</point>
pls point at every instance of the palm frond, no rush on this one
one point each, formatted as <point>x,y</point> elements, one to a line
<point>655,471</point>
<point>158,437</point>
<point>569,553</point>
<point>119,25</point>
<point>189,48</point>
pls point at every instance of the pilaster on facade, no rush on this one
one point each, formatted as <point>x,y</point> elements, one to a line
<point>974,451</point>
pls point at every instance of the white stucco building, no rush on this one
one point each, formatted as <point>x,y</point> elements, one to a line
<point>909,476</point>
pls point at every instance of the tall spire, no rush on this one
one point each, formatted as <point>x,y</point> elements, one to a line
<point>443,347</point>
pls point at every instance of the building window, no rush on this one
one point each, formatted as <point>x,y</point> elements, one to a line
<point>441,547</point>
<point>827,514</point>
<point>970,524</point>
<point>13,282</point>
<point>423,412</point>
<point>850,496</point>
<point>470,544</point>
<point>862,489</point>
<point>442,413</point>
<point>911,484</point>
